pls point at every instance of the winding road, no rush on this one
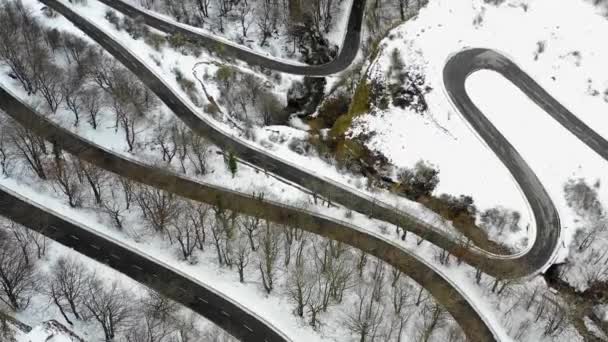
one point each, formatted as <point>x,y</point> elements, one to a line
<point>457,69</point>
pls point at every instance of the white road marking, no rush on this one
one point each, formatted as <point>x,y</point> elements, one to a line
<point>74,237</point>
<point>225,313</point>
<point>202,300</point>
<point>114,256</point>
<point>137,267</point>
<point>154,275</point>
<point>96,247</point>
<point>53,227</point>
<point>248,328</point>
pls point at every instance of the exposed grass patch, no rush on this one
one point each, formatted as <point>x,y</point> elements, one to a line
<point>360,104</point>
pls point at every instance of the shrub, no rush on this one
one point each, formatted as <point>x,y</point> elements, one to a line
<point>136,28</point>
<point>113,18</point>
<point>419,181</point>
<point>333,108</point>
<point>155,40</point>
<point>177,40</point>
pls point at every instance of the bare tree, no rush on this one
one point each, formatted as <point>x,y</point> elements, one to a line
<point>71,91</point>
<point>50,81</point>
<point>264,22</point>
<point>96,178</point>
<point>17,276</point>
<point>126,120</point>
<point>433,317</point>
<point>300,281</point>
<point>93,102</point>
<point>203,6</point>
<point>188,331</point>
<point>242,256</point>
<point>163,137</point>
<point>199,215</point>
<point>198,152</point>
<point>7,153</point>
<point>156,321</point>
<point>270,109</point>
<point>27,239</point>
<point>402,300</point>
<point>30,147</point>
<point>67,285</point>
<point>269,242</point>
<point>75,50</point>
<point>318,298</point>
<point>367,316</point>
<point>110,305</point>
<point>250,225</point>
<point>184,231</point>
<point>21,47</point>
<point>226,222</point>
<point>243,13</point>
<point>113,204</point>
<point>66,180</point>
<point>159,208</point>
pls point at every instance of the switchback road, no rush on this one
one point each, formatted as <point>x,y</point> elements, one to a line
<point>456,70</point>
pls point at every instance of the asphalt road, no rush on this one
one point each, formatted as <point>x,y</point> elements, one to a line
<point>142,268</point>
<point>346,55</point>
<point>457,69</point>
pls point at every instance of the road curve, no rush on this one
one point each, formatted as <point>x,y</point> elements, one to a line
<point>227,314</point>
<point>501,266</point>
<point>456,70</point>
<point>346,55</point>
<point>445,293</point>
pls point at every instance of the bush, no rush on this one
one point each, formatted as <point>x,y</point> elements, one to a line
<point>187,85</point>
<point>113,18</point>
<point>333,108</point>
<point>500,218</point>
<point>155,40</point>
<point>177,40</point>
<point>184,83</point>
<point>225,75</point>
<point>135,28</point>
<point>419,181</point>
<point>408,91</point>
<point>396,62</point>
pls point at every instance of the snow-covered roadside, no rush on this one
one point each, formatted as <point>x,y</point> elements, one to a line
<point>169,58</point>
<point>411,241</point>
<point>41,310</point>
<point>276,46</point>
<point>552,152</point>
<point>570,57</point>
<point>276,308</point>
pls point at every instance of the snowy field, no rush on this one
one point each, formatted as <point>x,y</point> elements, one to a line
<point>561,51</point>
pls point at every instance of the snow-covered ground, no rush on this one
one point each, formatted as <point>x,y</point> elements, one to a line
<point>47,332</point>
<point>279,45</point>
<point>571,67</point>
<point>463,159</point>
<point>274,139</point>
